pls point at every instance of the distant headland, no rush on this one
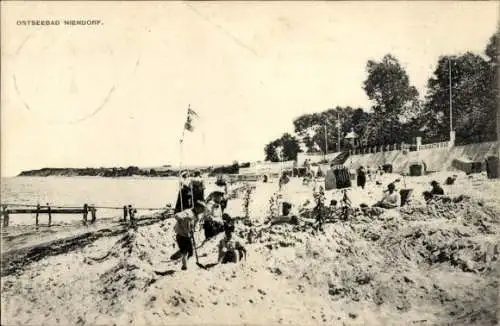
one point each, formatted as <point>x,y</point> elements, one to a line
<point>115,172</point>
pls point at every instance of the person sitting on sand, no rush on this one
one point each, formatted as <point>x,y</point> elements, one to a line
<point>436,188</point>
<point>333,209</point>
<point>289,215</point>
<point>230,249</point>
<point>307,179</point>
<point>184,229</point>
<point>391,198</point>
<point>435,191</point>
<point>333,204</point>
<point>451,180</point>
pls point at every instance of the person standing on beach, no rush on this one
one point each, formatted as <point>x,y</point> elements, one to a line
<point>210,223</point>
<point>283,180</point>
<point>361,178</point>
<point>197,187</point>
<point>219,197</point>
<point>184,230</point>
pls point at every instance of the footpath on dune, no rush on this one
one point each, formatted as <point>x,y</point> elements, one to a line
<point>433,264</point>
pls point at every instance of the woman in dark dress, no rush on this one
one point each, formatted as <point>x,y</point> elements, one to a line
<point>361,177</point>
<point>198,187</point>
<point>184,197</point>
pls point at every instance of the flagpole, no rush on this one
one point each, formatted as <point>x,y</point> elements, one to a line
<point>338,131</point>
<point>180,161</point>
<point>451,102</point>
<point>326,143</point>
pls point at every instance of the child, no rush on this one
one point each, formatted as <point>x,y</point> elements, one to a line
<point>184,229</point>
<point>230,250</point>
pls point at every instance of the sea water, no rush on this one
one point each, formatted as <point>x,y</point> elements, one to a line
<point>140,192</point>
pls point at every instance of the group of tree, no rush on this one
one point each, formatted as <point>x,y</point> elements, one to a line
<point>398,112</point>
<point>474,90</point>
<point>284,148</point>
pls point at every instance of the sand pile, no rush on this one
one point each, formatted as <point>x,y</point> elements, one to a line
<point>133,268</point>
<point>388,262</point>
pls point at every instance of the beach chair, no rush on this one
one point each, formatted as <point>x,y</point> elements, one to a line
<point>405,196</point>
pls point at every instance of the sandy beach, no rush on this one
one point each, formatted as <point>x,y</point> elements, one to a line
<point>418,265</point>
<point>353,146</point>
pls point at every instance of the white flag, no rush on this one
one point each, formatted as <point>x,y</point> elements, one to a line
<point>192,117</point>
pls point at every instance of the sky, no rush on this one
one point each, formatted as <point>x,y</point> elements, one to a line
<point>116,94</point>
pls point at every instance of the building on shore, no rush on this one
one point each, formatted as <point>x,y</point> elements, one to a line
<point>258,170</point>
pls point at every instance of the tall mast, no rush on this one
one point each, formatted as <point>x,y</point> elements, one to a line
<point>338,130</point>
<point>451,102</point>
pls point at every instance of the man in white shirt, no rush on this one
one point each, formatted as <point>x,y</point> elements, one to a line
<point>184,229</point>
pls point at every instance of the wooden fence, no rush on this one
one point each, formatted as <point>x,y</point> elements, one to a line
<point>382,148</point>
<point>444,144</point>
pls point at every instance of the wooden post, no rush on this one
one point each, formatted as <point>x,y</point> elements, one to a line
<point>85,213</point>
<point>131,213</point>
<point>50,214</point>
<point>5,214</point>
<point>125,212</point>
<point>93,213</point>
<point>37,214</point>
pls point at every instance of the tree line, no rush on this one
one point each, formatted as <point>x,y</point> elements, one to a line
<point>399,113</point>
